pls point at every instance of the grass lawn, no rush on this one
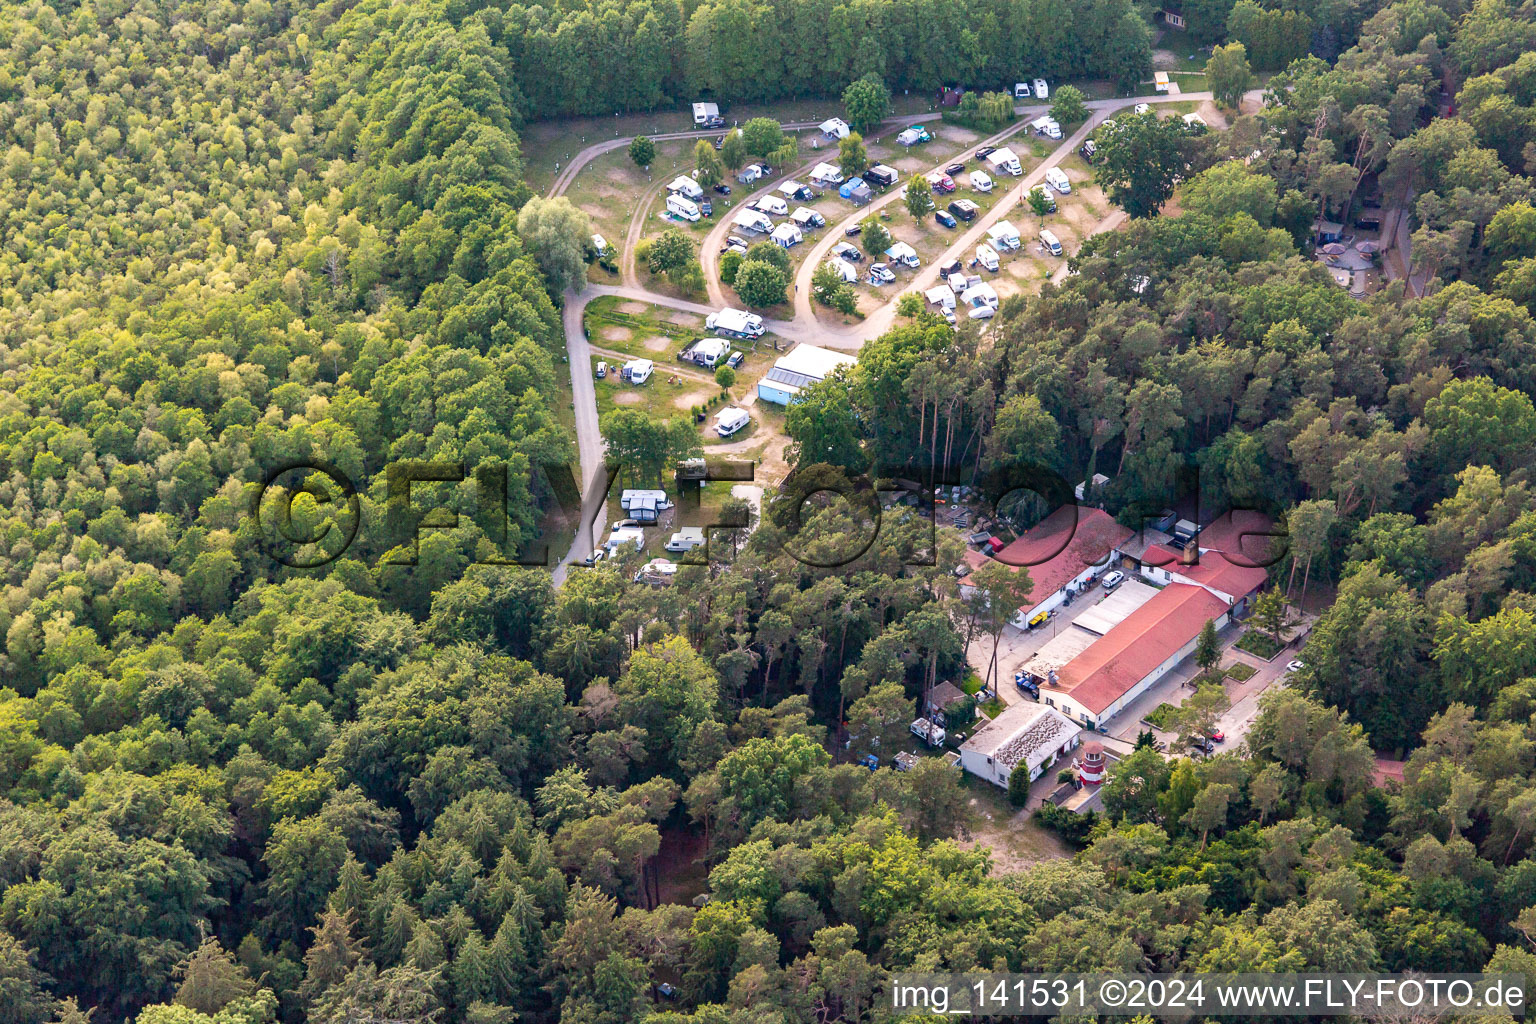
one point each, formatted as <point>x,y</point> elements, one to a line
<point>684,512</point>
<point>1260,644</point>
<point>1240,671</point>
<point>993,707</point>
<point>1158,716</point>
<point>971,684</point>
<point>611,187</point>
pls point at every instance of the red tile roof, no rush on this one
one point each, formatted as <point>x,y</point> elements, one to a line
<point>1144,640</point>
<point>1220,573</point>
<point>1062,545</point>
<point>1245,536</point>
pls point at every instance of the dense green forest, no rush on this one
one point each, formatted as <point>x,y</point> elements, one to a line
<point>238,235</point>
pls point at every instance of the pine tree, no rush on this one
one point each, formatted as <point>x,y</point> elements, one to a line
<point>332,956</point>
<point>425,949</point>
<point>508,960</point>
<point>211,978</point>
<point>352,888</point>
<point>399,925</point>
<point>1208,647</point>
<point>470,974</point>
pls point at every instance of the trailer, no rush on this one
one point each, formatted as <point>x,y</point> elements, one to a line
<point>929,733</point>
<point>681,208</point>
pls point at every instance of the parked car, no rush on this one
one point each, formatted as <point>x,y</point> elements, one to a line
<point>944,218</point>
<point>1201,744</point>
<point>1143,108</point>
<point>714,122</point>
<point>734,360</point>
<point>724,190</point>
<point>602,370</point>
<point>1217,736</point>
<point>855,229</point>
<point>879,273</point>
<point>1114,579</point>
<point>985,151</point>
<point>1088,150</point>
<point>706,207</point>
<point>844,251</point>
<point>955,168</point>
<point>595,557</point>
<point>1296,666</point>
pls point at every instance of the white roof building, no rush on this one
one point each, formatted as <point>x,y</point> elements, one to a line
<point>1027,733</point>
<point>803,366</point>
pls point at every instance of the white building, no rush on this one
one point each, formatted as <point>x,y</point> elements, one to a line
<point>1027,733</point>
<point>803,366</point>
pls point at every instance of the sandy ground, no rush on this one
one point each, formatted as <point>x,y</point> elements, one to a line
<point>689,400</point>
<point>633,308</point>
<point>658,343</point>
<point>1016,842</point>
<point>626,398</point>
<point>616,333</point>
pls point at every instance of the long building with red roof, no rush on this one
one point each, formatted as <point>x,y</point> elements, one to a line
<point>1060,552</point>
<point>1097,684</point>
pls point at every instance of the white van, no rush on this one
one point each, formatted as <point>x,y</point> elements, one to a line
<point>987,257</point>
<point>1057,179</point>
<point>904,254</point>
<point>1050,241</point>
<point>682,208</point>
<point>980,181</point>
<point>729,421</point>
<point>1004,236</point>
<point>774,205</point>
<point>1021,90</point>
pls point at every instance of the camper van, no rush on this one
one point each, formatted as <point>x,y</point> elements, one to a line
<point>1047,127</point>
<point>729,421</point>
<point>835,128</point>
<point>686,187</point>
<point>1003,161</point>
<point>751,220</point>
<point>1045,193</point>
<point>1049,240</point>
<point>904,254</point>
<point>826,174</point>
<point>847,251</point>
<point>981,181</point>
<point>1021,90</point>
<point>880,274</point>
<point>882,175</point>
<point>736,323</point>
<point>1004,236</point>
<point>600,245</point>
<point>682,208</point>
<point>987,257</point>
<point>773,205</point>
<point>707,115</point>
<point>1057,179</point>
<point>1042,91</point>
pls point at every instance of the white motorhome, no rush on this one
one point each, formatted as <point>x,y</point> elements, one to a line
<point>736,323</point>
<point>940,295</point>
<point>686,539</point>
<point>1046,126</point>
<point>904,254</point>
<point>682,208</point>
<point>1004,161</point>
<point>981,181</point>
<point>686,187</point>
<point>987,257</point>
<point>773,205</point>
<point>826,174</point>
<point>751,220</point>
<point>600,245</point>
<point>1049,240</point>
<point>750,173</point>
<point>705,113</point>
<point>807,217</point>
<point>1004,236</point>
<point>1042,91</point>
<point>729,421</point>
<point>1057,179</point>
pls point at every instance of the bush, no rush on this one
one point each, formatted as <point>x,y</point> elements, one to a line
<point>767,252</point>
<point>1018,785</point>
<point>1076,829</point>
<point>730,263</point>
